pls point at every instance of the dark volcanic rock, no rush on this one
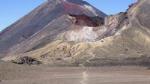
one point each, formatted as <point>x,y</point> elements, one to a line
<point>26,60</point>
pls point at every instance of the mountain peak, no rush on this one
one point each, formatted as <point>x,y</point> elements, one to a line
<point>37,21</point>
<point>78,7</point>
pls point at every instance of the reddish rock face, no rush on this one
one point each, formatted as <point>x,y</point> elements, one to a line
<point>72,8</point>
<point>84,20</point>
<point>77,7</point>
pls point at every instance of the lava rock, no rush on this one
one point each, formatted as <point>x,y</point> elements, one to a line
<point>27,60</point>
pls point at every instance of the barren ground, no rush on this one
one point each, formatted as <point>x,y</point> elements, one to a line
<point>24,74</point>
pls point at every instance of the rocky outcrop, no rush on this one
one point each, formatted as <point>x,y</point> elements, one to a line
<point>26,60</point>
<point>94,29</point>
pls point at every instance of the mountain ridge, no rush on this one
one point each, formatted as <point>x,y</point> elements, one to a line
<point>80,39</point>
<point>31,24</point>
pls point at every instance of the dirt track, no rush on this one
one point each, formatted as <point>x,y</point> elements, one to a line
<point>16,74</point>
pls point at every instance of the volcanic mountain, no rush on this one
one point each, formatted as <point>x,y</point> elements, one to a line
<point>72,32</point>
<point>44,23</point>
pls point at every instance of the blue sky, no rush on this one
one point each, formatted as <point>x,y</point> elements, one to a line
<point>12,10</point>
